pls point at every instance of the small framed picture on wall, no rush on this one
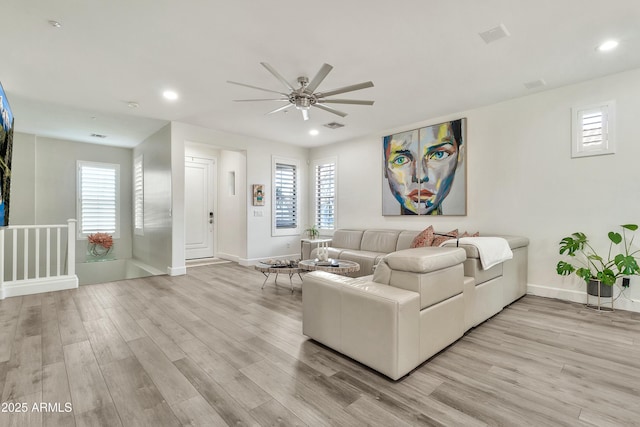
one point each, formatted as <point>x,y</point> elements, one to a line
<point>258,194</point>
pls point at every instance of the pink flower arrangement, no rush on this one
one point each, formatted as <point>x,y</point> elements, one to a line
<point>103,239</point>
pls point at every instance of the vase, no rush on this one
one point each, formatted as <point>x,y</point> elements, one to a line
<point>605,290</point>
<point>96,252</point>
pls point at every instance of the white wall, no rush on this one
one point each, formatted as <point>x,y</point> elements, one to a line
<point>55,191</point>
<point>23,180</point>
<point>232,205</point>
<point>521,177</point>
<point>251,157</point>
<point>154,247</point>
<point>43,188</point>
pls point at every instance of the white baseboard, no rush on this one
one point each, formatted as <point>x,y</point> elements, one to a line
<point>623,302</point>
<point>177,271</point>
<point>228,257</point>
<point>38,286</point>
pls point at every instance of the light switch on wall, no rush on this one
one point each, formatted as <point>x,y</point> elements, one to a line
<point>257,212</point>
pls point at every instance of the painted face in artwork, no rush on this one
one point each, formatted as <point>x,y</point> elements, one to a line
<point>420,172</point>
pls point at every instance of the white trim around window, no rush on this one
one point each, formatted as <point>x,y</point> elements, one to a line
<point>98,198</point>
<point>593,129</point>
<point>285,196</point>
<point>325,193</point>
<point>138,195</point>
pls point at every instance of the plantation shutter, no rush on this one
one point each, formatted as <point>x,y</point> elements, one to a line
<point>98,198</point>
<point>593,129</point>
<point>138,196</point>
<point>325,194</point>
<point>286,200</point>
<point>593,126</point>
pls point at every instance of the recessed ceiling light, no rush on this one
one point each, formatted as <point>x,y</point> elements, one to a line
<point>55,24</point>
<point>608,45</point>
<point>170,95</point>
<point>314,132</point>
<point>132,104</point>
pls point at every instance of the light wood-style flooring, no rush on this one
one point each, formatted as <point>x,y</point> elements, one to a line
<point>211,348</point>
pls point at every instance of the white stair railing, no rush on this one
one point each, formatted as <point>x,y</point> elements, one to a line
<point>34,280</point>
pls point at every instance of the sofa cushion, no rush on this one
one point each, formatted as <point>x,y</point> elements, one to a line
<point>433,287</point>
<point>515,242</point>
<point>379,240</point>
<point>405,238</point>
<point>425,260</point>
<point>347,239</point>
<point>366,259</point>
<point>425,238</point>
<point>438,240</point>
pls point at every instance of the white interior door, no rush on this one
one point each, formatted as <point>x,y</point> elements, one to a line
<point>199,207</point>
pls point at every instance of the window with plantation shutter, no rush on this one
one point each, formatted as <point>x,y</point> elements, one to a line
<point>98,199</point>
<point>593,130</point>
<point>325,194</point>
<point>138,196</point>
<point>285,197</point>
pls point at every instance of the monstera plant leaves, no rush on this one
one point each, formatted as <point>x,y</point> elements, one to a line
<point>607,277</point>
<point>571,245</point>
<point>564,268</point>
<point>627,264</point>
<point>615,237</point>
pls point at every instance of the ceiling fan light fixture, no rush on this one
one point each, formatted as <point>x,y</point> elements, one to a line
<point>305,96</point>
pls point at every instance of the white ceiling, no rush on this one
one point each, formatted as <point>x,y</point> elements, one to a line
<point>425,58</point>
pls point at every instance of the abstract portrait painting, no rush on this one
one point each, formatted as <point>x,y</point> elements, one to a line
<point>6,148</point>
<point>425,171</point>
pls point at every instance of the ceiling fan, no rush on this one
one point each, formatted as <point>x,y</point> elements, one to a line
<point>305,96</point>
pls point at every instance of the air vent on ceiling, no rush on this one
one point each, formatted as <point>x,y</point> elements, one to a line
<point>494,34</point>
<point>535,84</point>
<point>334,125</point>
<point>98,135</point>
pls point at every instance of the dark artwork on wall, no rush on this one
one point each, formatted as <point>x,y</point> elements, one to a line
<point>6,148</point>
<point>424,171</point>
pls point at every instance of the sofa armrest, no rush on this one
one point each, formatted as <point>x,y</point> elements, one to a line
<point>375,324</point>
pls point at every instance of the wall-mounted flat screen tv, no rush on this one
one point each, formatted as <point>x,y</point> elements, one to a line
<point>6,148</point>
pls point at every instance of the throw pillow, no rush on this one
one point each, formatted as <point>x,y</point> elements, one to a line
<point>466,234</point>
<point>438,240</point>
<point>423,239</point>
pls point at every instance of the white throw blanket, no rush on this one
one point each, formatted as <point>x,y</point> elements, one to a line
<point>492,250</point>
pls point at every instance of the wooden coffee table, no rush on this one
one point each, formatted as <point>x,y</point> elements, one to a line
<point>267,269</point>
<point>344,267</point>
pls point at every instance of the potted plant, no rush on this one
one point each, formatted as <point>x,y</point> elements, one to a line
<point>312,232</point>
<point>596,270</point>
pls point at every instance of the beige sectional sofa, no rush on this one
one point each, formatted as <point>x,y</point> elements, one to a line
<point>416,302</point>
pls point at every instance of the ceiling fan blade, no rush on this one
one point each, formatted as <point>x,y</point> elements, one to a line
<point>345,89</point>
<point>329,109</point>
<point>280,109</point>
<point>305,114</point>
<point>322,73</point>
<point>277,75</point>
<point>345,101</point>
<point>262,99</point>
<point>256,87</point>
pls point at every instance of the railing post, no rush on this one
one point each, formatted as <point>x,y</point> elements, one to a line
<point>71,244</point>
